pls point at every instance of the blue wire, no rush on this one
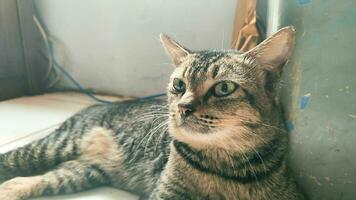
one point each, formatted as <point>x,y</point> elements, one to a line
<point>69,76</point>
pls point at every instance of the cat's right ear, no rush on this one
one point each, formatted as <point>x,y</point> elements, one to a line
<point>175,51</point>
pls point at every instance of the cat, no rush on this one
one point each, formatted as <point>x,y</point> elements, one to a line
<point>220,134</point>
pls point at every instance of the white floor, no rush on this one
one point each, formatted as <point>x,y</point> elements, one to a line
<point>25,119</point>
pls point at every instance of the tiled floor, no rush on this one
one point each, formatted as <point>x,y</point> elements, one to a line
<point>25,119</point>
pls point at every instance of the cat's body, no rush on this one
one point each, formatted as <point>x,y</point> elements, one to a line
<point>231,147</point>
<point>116,132</point>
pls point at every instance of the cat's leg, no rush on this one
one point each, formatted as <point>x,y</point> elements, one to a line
<point>98,160</point>
<point>68,177</point>
<point>41,155</point>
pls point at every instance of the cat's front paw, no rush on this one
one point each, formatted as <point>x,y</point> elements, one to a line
<point>19,188</point>
<point>9,194</point>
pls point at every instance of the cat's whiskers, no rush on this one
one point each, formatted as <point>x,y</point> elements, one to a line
<point>206,122</point>
<point>153,131</point>
<point>251,133</point>
<point>156,116</point>
<point>245,120</point>
<point>145,117</point>
<point>150,115</point>
<point>254,149</point>
<point>160,106</point>
<point>155,112</point>
<point>159,139</point>
<point>245,159</point>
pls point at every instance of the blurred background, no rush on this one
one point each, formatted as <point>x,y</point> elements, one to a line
<point>111,47</point>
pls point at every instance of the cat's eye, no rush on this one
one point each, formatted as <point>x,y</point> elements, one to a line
<point>224,88</point>
<point>179,85</point>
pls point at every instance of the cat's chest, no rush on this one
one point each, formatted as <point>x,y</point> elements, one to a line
<point>215,188</point>
<point>205,185</point>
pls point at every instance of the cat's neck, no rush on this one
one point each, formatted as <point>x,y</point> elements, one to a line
<point>245,167</point>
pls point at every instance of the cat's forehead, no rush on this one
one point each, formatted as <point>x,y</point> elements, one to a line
<point>213,65</point>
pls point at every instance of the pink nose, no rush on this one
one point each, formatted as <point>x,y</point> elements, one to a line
<point>185,109</point>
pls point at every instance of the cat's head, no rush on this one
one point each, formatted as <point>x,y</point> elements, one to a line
<point>219,98</point>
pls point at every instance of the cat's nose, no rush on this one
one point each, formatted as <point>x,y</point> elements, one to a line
<point>186,109</point>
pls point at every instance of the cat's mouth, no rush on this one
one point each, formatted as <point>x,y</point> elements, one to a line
<point>184,122</point>
<point>190,124</point>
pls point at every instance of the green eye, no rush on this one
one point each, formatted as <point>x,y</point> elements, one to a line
<point>179,85</point>
<point>224,88</point>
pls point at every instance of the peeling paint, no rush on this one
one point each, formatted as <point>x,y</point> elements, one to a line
<point>304,2</point>
<point>304,100</point>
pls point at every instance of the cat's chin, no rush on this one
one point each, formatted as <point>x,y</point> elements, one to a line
<point>190,127</point>
<point>221,139</point>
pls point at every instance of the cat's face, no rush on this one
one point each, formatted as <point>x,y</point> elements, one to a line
<point>216,97</point>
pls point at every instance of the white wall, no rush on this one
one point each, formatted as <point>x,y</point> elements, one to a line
<point>113,47</point>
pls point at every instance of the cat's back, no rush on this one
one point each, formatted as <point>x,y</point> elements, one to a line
<point>123,114</point>
<point>132,116</point>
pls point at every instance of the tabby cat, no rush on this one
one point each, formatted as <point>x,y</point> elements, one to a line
<point>220,135</point>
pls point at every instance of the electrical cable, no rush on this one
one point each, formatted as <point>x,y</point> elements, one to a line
<point>53,64</point>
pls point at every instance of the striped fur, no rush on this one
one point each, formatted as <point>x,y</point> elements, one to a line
<point>229,147</point>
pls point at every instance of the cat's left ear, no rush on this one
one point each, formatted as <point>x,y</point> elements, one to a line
<point>176,51</point>
<point>273,53</point>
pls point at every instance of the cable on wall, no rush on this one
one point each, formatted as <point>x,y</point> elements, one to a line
<point>53,65</point>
